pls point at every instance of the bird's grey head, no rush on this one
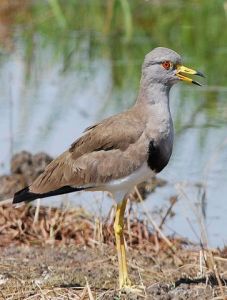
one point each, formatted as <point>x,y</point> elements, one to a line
<point>163,66</point>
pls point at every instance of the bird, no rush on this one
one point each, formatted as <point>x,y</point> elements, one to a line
<point>121,151</point>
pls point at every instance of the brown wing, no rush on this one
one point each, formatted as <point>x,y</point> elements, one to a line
<point>103,153</point>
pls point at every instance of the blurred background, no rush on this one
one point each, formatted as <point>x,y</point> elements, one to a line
<point>67,64</point>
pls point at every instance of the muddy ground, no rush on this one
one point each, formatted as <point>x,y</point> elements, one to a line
<point>64,272</point>
<point>63,256</point>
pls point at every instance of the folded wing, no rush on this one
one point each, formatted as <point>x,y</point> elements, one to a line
<point>103,153</point>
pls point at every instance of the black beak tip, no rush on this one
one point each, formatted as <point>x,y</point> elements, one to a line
<point>200,74</point>
<point>196,83</point>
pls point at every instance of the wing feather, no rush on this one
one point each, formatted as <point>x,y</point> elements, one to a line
<point>103,153</point>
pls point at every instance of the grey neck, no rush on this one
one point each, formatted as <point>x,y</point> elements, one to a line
<point>156,93</point>
<point>154,100</point>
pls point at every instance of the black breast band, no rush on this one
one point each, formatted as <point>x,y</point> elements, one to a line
<point>157,158</point>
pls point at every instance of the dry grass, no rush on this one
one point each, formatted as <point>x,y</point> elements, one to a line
<point>42,225</point>
<point>68,254</point>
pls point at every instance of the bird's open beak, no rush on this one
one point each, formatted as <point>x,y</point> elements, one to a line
<point>184,70</point>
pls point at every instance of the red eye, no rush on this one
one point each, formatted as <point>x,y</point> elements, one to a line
<point>166,65</point>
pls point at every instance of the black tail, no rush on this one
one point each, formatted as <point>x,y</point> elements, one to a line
<point>26,196</point>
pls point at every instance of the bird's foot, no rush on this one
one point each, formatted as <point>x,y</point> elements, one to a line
<point>125,283</point>
<point>128,288</point>
<point>133,289</point>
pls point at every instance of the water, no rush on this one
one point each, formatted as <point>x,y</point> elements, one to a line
<point>55,83</point>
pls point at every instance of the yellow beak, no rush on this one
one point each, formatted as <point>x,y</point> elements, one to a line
<point>184,70</point>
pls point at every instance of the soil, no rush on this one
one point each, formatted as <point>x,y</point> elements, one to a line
<point>65,254</point>
<point>71,272</point>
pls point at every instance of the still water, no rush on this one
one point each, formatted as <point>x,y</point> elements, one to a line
<point>43,107</point>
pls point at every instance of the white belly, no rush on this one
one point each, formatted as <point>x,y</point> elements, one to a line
<point>120,187</point>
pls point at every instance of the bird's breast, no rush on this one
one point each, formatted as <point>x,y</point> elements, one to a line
<point>159,153</point>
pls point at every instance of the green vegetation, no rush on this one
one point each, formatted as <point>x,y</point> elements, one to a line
<point>123,31</point>
<point>195,28</point>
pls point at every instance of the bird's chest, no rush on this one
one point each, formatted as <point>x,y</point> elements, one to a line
<point>159,134</point>
<point>159,153</point>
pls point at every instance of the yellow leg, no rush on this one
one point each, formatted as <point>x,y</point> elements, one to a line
<point>120,244</point>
